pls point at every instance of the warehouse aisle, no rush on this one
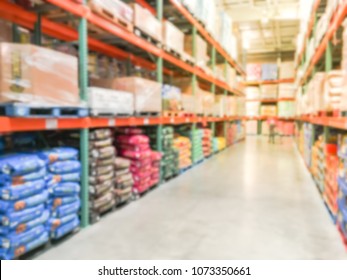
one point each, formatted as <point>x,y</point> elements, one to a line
<point>263,206</point>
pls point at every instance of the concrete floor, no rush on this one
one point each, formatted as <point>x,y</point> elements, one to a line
<point>253,201</point>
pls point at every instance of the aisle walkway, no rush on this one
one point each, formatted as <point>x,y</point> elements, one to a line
<point>253,201</point>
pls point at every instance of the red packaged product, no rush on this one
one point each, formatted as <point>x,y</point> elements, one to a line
<point>135,155</point>
<point>132,139</point>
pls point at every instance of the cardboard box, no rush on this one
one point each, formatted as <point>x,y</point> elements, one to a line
<point>173,38</point>
<point>287,70</point>
<point>146,22</point>
<point>5,31</point>
<point>37,75</point>
<point>116,102</point>
<point>116,9</point>
<point>201,52</point>
<point>147,93</point>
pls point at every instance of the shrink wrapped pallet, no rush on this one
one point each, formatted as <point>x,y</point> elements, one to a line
<point>286,109</point>
<point>287,70</point>
<point>286,90</point>
<point>201,49</point>
<point>269,91</point>
<point>252,108</point>
<point>193,104</point>
<point>269,71</point>
<point>117,10</point>
<point>253,72</point>
<point>172,98</point>
<point>220,106</point>
<point>173,38</point>
<point>252,93</point>
<point>268,110</point>
<point>146,22</point>
<point>106,101</point>
<point>36,75</point>
<point>333,90</point>
<point>147,93</point>
<point>208,102</point>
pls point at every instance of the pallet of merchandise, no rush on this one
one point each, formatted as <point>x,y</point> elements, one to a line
<point>27,110</point>
<point>112,11</point>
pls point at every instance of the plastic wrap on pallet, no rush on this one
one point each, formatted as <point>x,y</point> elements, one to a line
<point>146,22</point>
<point>207,102</point>
<point>220,106</point>
<point>269,91</point>
<point>333,90</point>
<point>253,72</point>
<point>172,98</point>
<point>147,93</point>
<point>268,110</point>
<point>192,104</point>
<point>110,101</point>
<point>269,71</point>
<point>286,90</point>
<point>287,70</point>
<point>113,8</point>
<point>286,109</point>
<point>252,93</point>
<point>201,51</point>
<point>38,76</point>
<point>173,38</point>
<point>252,109</point>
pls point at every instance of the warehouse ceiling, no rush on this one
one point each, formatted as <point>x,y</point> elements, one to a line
<point>266,28</point>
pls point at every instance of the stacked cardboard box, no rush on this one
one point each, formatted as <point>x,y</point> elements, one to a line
<point>269,71</point>
<point>268,110</point>
<point>173,38</point>
<point>269,91</point>
<point>253,71</point>
<point>287,70</point>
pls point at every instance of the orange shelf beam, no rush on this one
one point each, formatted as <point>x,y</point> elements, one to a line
<point>206,35</point>
<point>334,122</point>
<point>8,124</point>
<point>338,18</point>
<point>309,29</point>
<point>270,100</point>
<point>262,118</point>
<point>84,11</point>
<point>274,82</point>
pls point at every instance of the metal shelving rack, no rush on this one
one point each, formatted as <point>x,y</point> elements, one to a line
<point>323,60</point>
<point>41,25</point>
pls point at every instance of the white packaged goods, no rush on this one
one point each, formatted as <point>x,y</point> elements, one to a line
<point>211,8</point>
<point>192,5</point>
<point>313,100</point>
<point>115,8</point>
<point>286,90</point>
<point>193,104</point>
<point>322,27</point>
<point>269,91</point>
<point>220,106</point>
<point>333,90</point>
<point>286,109</point>
<point>252,127</point>
<point>286,70</point>
<point>253,71</point>
<point>252,108</point>
<point>173,38</point>
<point>108,101</point>
<point>252,93</point>
<point>268,110</point>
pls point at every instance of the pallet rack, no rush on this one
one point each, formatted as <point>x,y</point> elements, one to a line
<point>151,57</point>
<point>322,58</point>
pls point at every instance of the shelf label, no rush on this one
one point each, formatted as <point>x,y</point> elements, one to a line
<point>187,120</point>
<point>146,121</point>
<point>51,124</point>
<point>172,120</point>
<point>111,122</point>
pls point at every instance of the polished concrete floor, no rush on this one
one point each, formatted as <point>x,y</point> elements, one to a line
<point>253,201</point>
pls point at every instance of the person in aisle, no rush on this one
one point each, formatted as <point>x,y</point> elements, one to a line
<point>272,129</point>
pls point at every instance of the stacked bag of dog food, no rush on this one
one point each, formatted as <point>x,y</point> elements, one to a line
<point>133,144</point>
<point>23,196</point>
<point>155,167</point>
<point>170,159</point>
<point>124,181</point>
<point>219,143</point>
<point>102,156</point>
<point>63,185</point>
<point>183,145</point>
<point>195,137</point>
<point>207,142</point>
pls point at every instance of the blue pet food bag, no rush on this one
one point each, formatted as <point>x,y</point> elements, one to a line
<point>22,191</point>
<point>52,180</point>
<point>65,189</point>
<point>59,154</point>
<point>63,167</point>
<point>66,209</point>
<point>21,250</point>
<point>15,240</point>
<point>53,203</point>
<point>20,164</point>
<point>65,229</point>
<point>13,219</point>
<point>54,223</point>
<point>8,180</point>
<point>18,205</point>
